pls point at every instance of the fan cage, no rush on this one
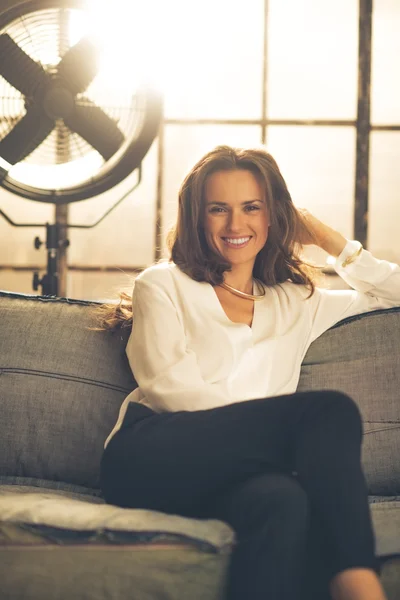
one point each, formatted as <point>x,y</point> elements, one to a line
<point>64,159</point>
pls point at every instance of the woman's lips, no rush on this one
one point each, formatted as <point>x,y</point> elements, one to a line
<point>233,245</point>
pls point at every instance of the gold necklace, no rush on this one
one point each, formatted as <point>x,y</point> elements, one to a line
<point>243,294</point>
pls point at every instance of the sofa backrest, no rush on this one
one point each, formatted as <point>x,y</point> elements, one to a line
<point>361,357</point>
<point>61,387</point>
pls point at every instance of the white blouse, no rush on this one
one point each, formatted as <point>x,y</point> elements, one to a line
<point>186,354</point>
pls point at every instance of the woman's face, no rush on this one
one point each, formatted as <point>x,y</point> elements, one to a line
<point>236,215</point>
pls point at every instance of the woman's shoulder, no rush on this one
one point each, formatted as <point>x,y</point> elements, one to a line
<point>164,274</point>
<point>292,292</point>
<point>159,272</point>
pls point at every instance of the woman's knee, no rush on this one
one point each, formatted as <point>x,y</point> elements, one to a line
<point>343,405</point>
<point>285,496</point>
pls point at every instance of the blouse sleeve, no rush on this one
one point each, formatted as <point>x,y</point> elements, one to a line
<point>165,369</point>
<point>375,283</point>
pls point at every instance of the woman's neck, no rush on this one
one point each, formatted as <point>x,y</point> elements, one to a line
<point>241,280</point>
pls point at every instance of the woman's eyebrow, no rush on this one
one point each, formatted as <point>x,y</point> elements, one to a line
<point>243,203</point>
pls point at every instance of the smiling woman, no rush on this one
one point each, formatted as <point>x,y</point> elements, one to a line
<point>229,194</point>
<point>215,428</point>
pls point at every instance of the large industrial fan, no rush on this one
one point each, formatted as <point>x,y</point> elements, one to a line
<point>65,135</point>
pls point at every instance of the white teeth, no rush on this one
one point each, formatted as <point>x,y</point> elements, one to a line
<point>237,241</point>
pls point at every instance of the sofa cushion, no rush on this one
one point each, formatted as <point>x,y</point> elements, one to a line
<point>361,357</point>
<point>61,387</point>
<point>61,517</point>
<point>63,545</point>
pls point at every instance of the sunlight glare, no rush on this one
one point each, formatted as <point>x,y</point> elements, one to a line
<point>155,41</point>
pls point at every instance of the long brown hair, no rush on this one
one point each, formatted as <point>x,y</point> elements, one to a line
<point>278,261</point>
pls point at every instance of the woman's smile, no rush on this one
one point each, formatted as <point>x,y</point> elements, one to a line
<point>236,243</point>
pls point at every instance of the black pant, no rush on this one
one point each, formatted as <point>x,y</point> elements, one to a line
<point>284,472</point>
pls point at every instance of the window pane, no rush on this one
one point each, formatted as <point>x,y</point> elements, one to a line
<point>312,54</point>
<point>213,59</point>
<point>384,206</point>
<point>99,286</point>
<point>184,146</point>
<point>385,82</point>
<point>317,164</point>
<point>16,243</point>
<point>126,236</point>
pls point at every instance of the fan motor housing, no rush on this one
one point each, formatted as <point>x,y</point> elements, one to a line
<point>58,102</point>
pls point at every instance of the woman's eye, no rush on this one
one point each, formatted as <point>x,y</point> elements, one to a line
<point>250,208</point>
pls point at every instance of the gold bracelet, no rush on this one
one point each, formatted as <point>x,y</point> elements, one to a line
<point>352,257</point>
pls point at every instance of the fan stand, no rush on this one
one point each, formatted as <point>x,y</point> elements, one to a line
<point>50,281</point>
<point>55,244</point>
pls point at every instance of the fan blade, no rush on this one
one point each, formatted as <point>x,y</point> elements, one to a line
<point>79,66</point>
<point>26,136</point>
<point>97,128</point>
<point>19,69</point>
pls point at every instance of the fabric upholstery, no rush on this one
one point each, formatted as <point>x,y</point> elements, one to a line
<point>61,387</point>
<point>361,357</point>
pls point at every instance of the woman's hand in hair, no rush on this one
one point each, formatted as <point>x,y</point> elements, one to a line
<point>311,230</point>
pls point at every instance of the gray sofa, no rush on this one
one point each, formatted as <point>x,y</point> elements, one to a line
<point>61,386</point>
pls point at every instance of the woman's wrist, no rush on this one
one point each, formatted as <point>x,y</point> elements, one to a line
<point>333,243</point>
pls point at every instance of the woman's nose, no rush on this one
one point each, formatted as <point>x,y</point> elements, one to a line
<point>236,221</point>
